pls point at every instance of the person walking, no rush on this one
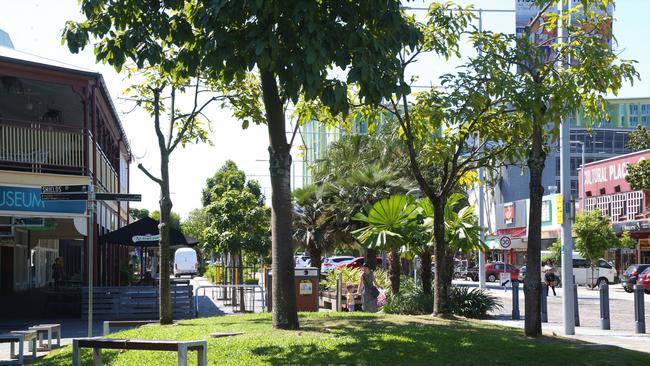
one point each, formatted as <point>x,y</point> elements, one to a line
<point>550,275</point>
<point>368,289</point>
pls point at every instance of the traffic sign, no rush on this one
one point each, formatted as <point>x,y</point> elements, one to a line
<point>504,279</point>
<point>505,242</point>
<point>79,188</point>
<point>64,196</point>
<point>118,197</point>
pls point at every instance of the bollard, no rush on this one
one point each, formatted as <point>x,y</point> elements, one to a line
<point>639,309</point>
<point>604,307</point>
<point>575,304</point>
<point>515,301</point>
<point>339,290</point>
<point>543,303</point>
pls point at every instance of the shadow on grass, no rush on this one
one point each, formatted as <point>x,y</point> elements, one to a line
<point>380,341</point>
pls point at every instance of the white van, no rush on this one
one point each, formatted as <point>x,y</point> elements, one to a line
<point>185,262</point>
<point>585,275</point>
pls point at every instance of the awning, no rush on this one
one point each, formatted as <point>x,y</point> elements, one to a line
<point>144,233</point>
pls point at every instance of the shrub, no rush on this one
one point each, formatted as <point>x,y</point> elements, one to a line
<point>352,276</point>
<point>472,303</point>
<point>211,273</point>
<point>411,300</point>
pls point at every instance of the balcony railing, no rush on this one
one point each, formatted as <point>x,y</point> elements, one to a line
<point>40,147</point>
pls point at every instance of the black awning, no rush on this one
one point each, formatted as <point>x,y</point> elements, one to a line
<point>144,233</point>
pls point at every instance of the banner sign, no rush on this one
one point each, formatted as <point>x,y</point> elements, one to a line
<point>27,199</point>
<point>148,237</point>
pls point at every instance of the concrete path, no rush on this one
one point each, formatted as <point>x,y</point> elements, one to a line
<point>622,333</point>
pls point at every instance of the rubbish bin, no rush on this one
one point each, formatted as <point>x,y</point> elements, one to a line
<point>306,285</point>
<point>306,280</point>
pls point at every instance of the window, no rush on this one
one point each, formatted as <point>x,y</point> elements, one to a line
<point>580,263</point>
<point>634,120</point>
<point>618,205</point>
<point>634,204</point>
<point>603,264</point>
<point>634,109</point>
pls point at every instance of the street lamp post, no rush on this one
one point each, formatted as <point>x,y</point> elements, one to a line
<point>582,181</point>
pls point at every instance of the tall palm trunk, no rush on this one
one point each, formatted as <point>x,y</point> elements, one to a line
<point>285,315</point>
<point>425,270</point>
<point>532,283</point>
<point>395,270</point>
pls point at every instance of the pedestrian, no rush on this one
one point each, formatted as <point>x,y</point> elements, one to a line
<point>57,272</point>
<point>350,298</point>
<point>368,289</point>
<point>550,275</point>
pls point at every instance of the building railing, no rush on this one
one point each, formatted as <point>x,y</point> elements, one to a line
<point>41,147</point>
<point>626,206</point>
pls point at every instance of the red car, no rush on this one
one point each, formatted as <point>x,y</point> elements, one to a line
<point>357,263</point>
<point>492,271</point>
<point>644,280</point>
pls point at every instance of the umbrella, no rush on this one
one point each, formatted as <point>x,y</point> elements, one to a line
<point>144,233</point>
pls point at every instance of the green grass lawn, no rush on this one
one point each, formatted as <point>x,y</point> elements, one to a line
<point>360,339</point>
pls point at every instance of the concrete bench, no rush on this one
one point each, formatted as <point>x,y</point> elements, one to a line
<point>98,343</point>
<point>19,336</point>
<point>47,330</point>
<point>125,323</point>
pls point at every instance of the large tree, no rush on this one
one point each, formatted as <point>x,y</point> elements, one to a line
<point>294,47</point>
<point>638,175</point>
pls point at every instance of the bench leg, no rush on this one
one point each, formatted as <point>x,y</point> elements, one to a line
<point>182,356</point>
<point>34,347</point>
<point>58,337</point>
<point>12,351</point>
<point>97,357</point>
<point>202,359</point>
<point>21,353</point>
<point>75,353</point>
<point>106,328</point>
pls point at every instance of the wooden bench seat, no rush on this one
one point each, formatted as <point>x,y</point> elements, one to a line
<point>98,343</point>
<point>19,337</point>
<point>47,330</point>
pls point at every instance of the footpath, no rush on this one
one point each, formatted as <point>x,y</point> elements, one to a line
<point>622,333</point>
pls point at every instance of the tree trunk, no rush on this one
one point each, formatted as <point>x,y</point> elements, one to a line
<point>425,270</point>
<point>314,254</point>
<point>442,282</point>
<point>371,258</point>
<point>165,213</point>
<point>285,315</point>
<point>532,283</point>
<point>240,276</point>
<point>395,270</point>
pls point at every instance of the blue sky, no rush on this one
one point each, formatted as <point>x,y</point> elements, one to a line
<point>35,27</point>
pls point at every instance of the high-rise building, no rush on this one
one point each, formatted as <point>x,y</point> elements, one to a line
<point>602,140</point>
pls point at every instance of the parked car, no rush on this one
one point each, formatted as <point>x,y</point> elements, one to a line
<point>492,271</point>
<point>302,260</point>
<point>331,262</point>
<point>185,262</point>
<point>628,280</point>
<point>643,279</point>
<point>357,263</point>
<point>585,275</point>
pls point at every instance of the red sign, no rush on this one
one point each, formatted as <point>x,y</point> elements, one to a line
<point>609,173</point>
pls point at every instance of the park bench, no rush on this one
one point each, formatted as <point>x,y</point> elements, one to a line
<point>97,344</point>
<point>125,323</point>
<point>19,336</point>
<point>47,330</point>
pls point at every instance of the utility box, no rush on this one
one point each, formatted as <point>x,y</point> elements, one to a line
<point>306,285</point>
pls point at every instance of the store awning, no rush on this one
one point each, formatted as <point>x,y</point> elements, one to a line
<point>144,233</point>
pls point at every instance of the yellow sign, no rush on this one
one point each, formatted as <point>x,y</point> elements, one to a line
<point>644,244</point>
<point>306,287</point>
<point>558,209</point>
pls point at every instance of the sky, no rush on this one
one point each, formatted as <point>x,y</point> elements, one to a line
<point>35,27</point>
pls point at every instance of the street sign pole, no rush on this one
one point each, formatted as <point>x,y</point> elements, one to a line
<point>90,206</point>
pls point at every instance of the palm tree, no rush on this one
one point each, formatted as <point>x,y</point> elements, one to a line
<point>387,223</point>
<point>311,222</point>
